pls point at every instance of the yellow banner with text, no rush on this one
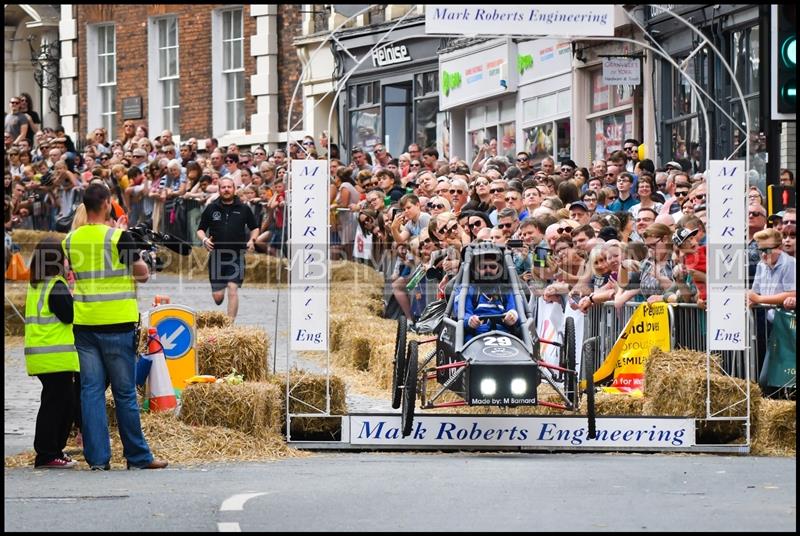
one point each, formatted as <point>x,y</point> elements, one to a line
<point>647,328</point>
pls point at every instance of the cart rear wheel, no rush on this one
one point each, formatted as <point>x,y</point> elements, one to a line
<point>588,372</point>
<point>410,389</point>
<point>568,361</point>
<point>399,372</point>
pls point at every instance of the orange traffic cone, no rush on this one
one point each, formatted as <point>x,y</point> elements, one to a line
<point>159,385</point>
<point>160,299</point>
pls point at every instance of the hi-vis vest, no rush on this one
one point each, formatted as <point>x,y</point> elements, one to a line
<point>49,343</point>
<point>105,292</point>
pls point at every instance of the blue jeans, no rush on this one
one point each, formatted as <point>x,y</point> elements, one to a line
<point>110,357</point>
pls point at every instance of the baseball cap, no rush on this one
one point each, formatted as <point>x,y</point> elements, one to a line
<point>674,164</point>
<point>139,152</point>
<point>682,234</point>
<point>580,205</point>
<point>777,215</point>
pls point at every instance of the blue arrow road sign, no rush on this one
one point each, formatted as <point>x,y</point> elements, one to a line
<point>176,337</point>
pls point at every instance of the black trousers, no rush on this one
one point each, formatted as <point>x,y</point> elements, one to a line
<point>60,407</point>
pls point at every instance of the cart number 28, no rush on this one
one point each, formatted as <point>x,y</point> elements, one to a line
<point>497,341</point>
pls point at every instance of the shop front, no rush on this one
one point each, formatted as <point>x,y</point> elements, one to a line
<point>606,111</point>
<point>545,99</point>
<point>392,97</point>
<point>478,90</point>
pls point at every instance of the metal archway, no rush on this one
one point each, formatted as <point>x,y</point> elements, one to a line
<point>656,50</point>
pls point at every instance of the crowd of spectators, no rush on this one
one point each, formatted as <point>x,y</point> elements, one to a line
<point>616,230</point>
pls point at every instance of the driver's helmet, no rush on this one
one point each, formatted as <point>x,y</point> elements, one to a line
<point>487,264</point>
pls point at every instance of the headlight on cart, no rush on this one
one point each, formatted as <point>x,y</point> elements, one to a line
<point>488,387</point>
<point>518,386</point>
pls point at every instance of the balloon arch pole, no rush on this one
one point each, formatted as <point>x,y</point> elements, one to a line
<point>657,50</point>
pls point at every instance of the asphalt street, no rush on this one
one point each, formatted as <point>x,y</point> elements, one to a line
<point>369,491</point>
<point>418,492</point>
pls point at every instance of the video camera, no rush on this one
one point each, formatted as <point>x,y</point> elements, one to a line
<point>149,240</point>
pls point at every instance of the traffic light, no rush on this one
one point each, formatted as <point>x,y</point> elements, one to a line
<point>784,61</point>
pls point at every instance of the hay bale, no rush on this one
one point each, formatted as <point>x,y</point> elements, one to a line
<point>774,430</point>
<point>307,395</point>
<point>675,385</point>
<point>179,443</point>
<point>251,407</point>
<point>358,339</point>
<point>354,272</point>
<point>213,319</point>
<point>15,294</point>
<point>111,406</point>
<point>246,349</point>
<point>381,364</point>
<point>27,239</point>
<point>613,404</point>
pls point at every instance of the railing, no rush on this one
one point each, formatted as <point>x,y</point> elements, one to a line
<point>688,329</point>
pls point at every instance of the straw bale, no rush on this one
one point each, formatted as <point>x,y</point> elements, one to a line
<point>614,404</point>
<point>337,325</point>
<point>250,407</point>
<point>16,294</point>
<point>246,349</point>
<point>307,395</point>
<point>675,385</point>
<point>365,300</point>
<point>213,319</point>
<point>358,339</point>
<point>774,431</point>
<point>179,443</point>
<point>27,240</point>
<point>354,272</point>
<point>381,364</point>
<point>111,411</point>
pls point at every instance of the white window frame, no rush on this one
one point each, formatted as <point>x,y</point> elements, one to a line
<point>628,108</point>
<point>493,117</point>
<point>560,96</point>
<point>156,83</point>
<point>97,117</point>
<point>220,117</point>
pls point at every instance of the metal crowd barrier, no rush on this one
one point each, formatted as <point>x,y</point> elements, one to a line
<point>687,330</point>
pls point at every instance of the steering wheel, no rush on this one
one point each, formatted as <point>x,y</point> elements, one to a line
<point>492,318</point>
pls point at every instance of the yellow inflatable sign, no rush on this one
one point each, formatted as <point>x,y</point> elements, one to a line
<point>647,328</point>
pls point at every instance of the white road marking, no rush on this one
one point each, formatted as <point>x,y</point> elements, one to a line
<point>229,527</point>
<point>236,502</point>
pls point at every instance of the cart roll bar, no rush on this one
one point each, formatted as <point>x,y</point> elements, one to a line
<point>462,296</point>
<point>518,298</point>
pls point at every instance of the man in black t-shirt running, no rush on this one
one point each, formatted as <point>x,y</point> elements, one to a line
<point>223,229</point>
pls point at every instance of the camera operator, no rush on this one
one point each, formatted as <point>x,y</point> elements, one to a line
<point>222,231</point>
<point>107,264</point>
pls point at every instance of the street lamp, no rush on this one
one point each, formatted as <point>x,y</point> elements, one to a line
<point>45,73</point>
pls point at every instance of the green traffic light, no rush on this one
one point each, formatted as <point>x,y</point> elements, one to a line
<point>789,51</point>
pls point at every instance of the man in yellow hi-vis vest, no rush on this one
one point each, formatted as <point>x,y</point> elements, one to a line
<point>107,263</point>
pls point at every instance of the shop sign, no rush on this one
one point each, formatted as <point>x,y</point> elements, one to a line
<point>477,75</point>
<point>508,19</point>
<point>622,71</point>
<point>390,55</point>
<point>542,58</point>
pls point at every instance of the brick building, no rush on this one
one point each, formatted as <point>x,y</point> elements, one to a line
<point>206,70</point>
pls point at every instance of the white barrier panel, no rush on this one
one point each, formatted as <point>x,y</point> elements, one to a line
<point>524,19</point>
<point>726,251</point>
<point>517,431</point>
<point>308,300</point>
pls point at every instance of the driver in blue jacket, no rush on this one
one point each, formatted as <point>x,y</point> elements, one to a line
<point>486,297</point>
